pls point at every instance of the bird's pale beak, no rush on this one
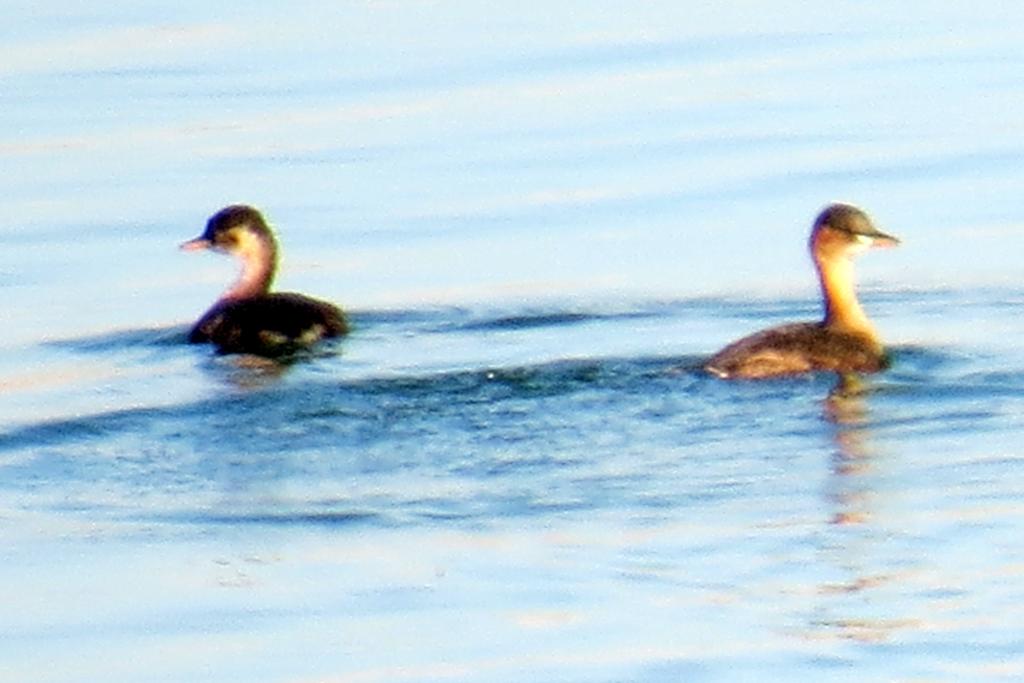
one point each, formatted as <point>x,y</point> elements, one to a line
<point>197,244</point>
<point>876,239</point>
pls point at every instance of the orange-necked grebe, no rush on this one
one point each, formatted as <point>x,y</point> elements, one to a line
<point>248,318</point>
<point>845,341</point>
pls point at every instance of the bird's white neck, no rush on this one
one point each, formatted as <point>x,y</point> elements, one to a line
<point>259,262</point>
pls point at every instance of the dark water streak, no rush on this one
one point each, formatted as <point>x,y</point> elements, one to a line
<point>297,446</point>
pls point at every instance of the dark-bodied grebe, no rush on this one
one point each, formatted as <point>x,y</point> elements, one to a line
<point>248,318</point>
<point>845,341</point>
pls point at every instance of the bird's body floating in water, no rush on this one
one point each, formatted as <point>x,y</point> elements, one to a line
<point>845,341</point>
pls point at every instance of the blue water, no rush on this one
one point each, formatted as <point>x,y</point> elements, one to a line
<point>541,218</point>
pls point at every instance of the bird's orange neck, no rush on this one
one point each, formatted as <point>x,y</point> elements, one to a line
<point>843,311</point>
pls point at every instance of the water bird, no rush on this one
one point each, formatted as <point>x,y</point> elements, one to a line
<point>845,341</point>
<point>248,318</point>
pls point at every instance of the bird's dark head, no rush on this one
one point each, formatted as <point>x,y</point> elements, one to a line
<point>237,229</point>
<point>847,230</point>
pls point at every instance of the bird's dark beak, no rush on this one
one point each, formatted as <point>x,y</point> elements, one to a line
<point>882,240</point>
<point>197,244</point>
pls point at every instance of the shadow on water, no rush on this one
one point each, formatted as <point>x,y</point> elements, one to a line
<point>524,321</point>
<point>318,446</point>
<point>423,395</point>
<point>120,340</point>
<point>447,446</point>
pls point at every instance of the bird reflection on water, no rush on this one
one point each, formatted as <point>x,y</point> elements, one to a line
<point>857,607</point>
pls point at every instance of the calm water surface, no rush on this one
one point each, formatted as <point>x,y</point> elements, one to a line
<point>541,217</point>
